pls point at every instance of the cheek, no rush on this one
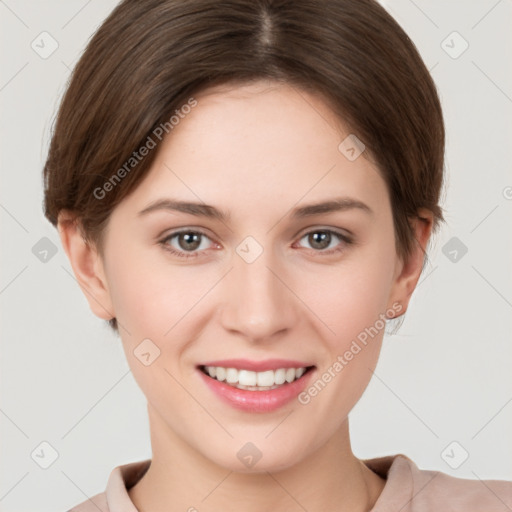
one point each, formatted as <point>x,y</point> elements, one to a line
<point>155,301</point>
<point>351,299</point>
<point>150,295</point>
<point>351,295</point>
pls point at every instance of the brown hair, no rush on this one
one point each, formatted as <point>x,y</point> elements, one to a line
<point>149,57</point>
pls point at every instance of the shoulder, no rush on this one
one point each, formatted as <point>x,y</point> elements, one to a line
<point>98,503</point>
<point>115,497</point>
<point>412,489</point>
<point>435,487</point>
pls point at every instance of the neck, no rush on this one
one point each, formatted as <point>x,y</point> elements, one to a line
<point>180,478</point>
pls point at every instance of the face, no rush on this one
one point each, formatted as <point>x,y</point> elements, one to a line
<point>262,280</point>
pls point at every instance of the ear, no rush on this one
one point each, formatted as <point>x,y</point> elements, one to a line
<point>407,273</point>
<point>87,265</point>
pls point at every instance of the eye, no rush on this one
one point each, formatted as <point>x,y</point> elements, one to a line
<point>188,243</point>
<point>321,240</point>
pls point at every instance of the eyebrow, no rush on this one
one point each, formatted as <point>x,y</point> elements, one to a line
<point>208,211</point>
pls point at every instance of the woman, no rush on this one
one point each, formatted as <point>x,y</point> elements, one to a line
<point>246,191</point>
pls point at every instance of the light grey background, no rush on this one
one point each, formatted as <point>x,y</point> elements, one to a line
<point>446,376</point>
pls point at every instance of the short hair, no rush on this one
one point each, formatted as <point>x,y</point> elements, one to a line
<point>149,57</point>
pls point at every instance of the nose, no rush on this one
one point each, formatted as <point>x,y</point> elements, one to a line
<point>260,303</point>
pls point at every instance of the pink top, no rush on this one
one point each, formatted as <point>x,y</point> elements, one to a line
<point>407,489</point>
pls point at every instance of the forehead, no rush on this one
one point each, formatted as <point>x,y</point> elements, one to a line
<point>252,146</point>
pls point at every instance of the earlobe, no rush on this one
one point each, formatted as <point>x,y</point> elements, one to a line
<point>408,272</point>
<point>86,264</point>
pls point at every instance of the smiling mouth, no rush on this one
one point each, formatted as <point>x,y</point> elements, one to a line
<point>255,381</point>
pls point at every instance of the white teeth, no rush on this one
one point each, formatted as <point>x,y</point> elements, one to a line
<point>262,378</point>
<point>231,376</point>
<point>290,374</point>
<point>247,379</point>
<point>280,376</point>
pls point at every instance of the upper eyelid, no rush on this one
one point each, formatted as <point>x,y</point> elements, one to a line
<point>172,234</point>
<point>337,231</point>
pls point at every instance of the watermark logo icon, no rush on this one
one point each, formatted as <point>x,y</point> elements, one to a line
<point>147,352</point>
<point>454,249</point>
<point>351,147</point>
<point>249,454</point>
<point>455,455</point>
<point>44,455</point>
<point>249,249</point>
<point>44,250</point>
<point>44,45</point>
<point>454,45</point>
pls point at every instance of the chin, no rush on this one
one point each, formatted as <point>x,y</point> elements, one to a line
<point>254,458</point>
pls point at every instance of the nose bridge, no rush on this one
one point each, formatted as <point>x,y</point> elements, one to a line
<point>258,303</point>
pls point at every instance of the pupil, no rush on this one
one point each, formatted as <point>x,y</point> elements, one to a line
<point>190,238</point>
<point>319,238</point>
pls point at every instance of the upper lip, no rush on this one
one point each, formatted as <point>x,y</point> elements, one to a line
<point>257,366</point>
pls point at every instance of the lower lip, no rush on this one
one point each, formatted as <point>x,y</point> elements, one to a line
<point>257,401</point>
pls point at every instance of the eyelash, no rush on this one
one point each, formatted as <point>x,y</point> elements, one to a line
<point>346,239</point>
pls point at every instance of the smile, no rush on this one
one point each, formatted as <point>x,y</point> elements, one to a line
<point>255,381</point>
<point>256,387</point>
